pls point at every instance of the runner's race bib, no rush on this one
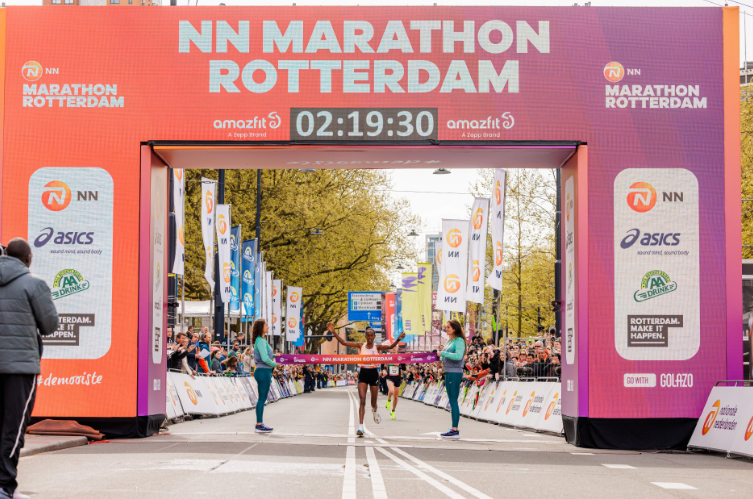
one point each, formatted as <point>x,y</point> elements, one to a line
<point>394,371</point>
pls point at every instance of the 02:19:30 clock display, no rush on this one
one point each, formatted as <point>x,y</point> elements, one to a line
<point>363,123</point>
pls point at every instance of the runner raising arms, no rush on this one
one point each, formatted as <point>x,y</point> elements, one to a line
<point>368,377</point>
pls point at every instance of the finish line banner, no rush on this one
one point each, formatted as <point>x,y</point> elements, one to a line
<point>398,358</point>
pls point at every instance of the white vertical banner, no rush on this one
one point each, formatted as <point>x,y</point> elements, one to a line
<point>477,250</point>
<point>268,301</point>
<point>276,307</point>
<point>223,250</point>
<point>441,272</point>
<point>293,313</point>
<point>568,339</point>
<point>451,293</point>
<point>208,191</point>
<point>498,227</point>
<point>179,200</point>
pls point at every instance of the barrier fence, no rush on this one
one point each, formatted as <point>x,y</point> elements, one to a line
<point>726,423</point>
<point>536,405</point>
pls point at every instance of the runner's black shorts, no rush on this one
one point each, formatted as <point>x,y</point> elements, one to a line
<point>396,380</point>
<point>368,375</point>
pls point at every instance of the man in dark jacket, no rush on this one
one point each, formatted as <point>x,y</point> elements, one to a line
<point>25,306</point>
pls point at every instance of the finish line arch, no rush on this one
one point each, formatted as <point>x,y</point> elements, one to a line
<point>154,83</point>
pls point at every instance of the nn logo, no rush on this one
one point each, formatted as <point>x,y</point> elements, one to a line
<point>56,195</point>
<point>642,197</point>
<point>451,285</point>
<point>226,271</point>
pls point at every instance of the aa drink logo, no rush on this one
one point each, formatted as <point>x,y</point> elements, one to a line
<point>68,282</point>
<point>641,197</point>
<point>32,71</point>
<point>552,405</point>
<point>248,254</point>
<point>209,201</point>
<point>709,423</point>
<point>56,196</point>
<point>478,219</point>
<point>614,72</point>
<point>233,270</point>
<point>191,394</point>
<point>528,404</point>
<point>452,283</point>
<point>454,238</point>
<point>476,271</point>
<point>221,224</point>
<point>248,301</point>
<point>655,283</point>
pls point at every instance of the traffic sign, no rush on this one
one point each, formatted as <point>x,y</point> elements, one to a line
<point>365,306</point>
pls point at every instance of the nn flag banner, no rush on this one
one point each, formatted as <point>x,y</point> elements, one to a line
<point>208,191</point>
<point>235,267</point>
<point>248,279</point>
<point>293,313</point>
<point>451,295</point>
<point>498,227</point>
<point>423,279</point>
<point>411,311</point>
<point>223,250</point>
<point>477,250</point>
<point>179,194</point>
<point>276,307</point>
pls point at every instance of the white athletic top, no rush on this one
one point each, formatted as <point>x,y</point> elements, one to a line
<point>369,351</point>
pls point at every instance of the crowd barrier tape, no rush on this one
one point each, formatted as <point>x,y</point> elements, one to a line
<point>218,396</point>
<point>535,405</point>
<point>726,423</point>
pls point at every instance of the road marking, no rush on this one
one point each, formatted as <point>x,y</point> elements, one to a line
<point>422,475</point>
<point>377,483</point>
<point>582,453</point>
<point>676,486</point>
<point>349,480</point>
<point>426,467</point>
<point>619,466</point>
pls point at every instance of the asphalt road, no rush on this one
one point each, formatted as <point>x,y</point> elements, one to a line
<point>313,453</point>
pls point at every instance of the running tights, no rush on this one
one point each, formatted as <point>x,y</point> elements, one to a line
<point>263,378</point>
<point>452,382</point>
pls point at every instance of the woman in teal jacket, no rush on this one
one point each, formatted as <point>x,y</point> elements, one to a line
<point>263,355</point>
<point>452,357</point>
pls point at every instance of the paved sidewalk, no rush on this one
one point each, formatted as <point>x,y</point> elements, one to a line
<point>37,444</point>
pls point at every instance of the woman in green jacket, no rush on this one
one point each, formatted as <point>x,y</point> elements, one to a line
<point>452,357</point>
<point>263,355</point>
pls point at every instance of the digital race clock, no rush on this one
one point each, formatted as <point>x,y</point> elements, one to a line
<point>363,123</point>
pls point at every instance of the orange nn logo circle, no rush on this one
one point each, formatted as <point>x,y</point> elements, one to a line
<point>180,236</point>
<point>454,238</point>
<point>226,271</point>
<point>293,296</point>
<point>209,201</point>
<point>452,283</point>
<point>56,196</point>
<point>476,271</point>
<point>179,174</point>
<point>32,71</point>
<point>439,256</point>
<point>291,323</point>
<point>498,193</point>
<point>221,224</point>
<point>191,393</point>
<point>749,430</point>
<point>641,197</point>
<point>498,254</point>
<point>614,72</point>
<point>709,423</point>
<point>478,219</point>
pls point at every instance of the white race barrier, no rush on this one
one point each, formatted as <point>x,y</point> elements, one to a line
<point>536,405</point>
<point>726,423</point>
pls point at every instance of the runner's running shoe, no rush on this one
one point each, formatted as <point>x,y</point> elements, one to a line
<point>388,405</point>
<point>377,417</point>
<point>18,495</point>
<point>451,435</point>
<point>392,415</point>
<point>262,429</point>
<point>359,433</point>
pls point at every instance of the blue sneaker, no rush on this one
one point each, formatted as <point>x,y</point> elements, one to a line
<point>451,435</point>
<point>262,429</point>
